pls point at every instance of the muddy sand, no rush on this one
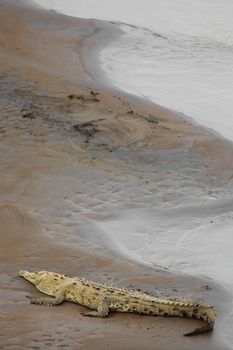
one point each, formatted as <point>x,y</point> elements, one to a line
<point>76,153</point>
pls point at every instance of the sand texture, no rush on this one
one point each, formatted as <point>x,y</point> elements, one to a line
<point>77,154</point>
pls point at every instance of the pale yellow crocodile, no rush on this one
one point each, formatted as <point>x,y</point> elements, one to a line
<point>102,299</point>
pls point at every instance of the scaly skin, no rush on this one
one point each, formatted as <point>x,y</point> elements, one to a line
<point>102,299</point>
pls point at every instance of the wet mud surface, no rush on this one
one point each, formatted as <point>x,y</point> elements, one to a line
<point>74,157</point>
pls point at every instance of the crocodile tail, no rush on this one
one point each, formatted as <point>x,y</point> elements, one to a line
<point>208,315</point>
<point>209,327</point>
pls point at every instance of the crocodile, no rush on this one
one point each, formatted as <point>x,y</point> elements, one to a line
<point>102,299</point>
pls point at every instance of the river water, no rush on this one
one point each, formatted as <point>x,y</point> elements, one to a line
<point>178,53</point>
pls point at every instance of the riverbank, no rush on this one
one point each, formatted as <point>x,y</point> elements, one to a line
<point>76,154</point>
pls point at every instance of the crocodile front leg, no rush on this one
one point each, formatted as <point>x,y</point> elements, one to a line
<point>57,300</point>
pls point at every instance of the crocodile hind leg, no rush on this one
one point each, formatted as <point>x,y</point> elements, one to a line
<point>57,300</point>
<point>102,310</point>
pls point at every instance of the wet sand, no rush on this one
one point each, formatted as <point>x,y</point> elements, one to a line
<point>76,153</point>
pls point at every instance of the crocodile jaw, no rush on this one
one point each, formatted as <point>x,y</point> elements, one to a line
<point>33,277</point>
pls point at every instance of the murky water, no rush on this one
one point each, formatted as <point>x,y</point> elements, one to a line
<point>188,68</point>
<point>191,74</point>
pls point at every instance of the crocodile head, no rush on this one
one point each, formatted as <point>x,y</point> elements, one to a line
<point>33,277</point>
